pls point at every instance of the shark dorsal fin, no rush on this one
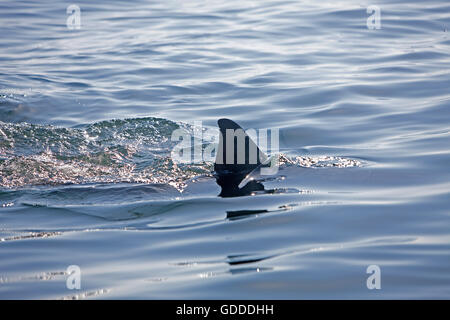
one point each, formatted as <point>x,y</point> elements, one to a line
<point>237,153</point>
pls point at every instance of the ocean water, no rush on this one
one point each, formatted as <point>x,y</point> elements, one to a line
<point>87,176</point>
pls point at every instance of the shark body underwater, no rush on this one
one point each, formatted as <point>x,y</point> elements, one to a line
<point>237,158</point>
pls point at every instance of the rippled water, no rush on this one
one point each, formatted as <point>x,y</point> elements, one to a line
<point>87,178</point>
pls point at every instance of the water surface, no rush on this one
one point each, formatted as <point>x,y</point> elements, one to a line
<point>87,178</point>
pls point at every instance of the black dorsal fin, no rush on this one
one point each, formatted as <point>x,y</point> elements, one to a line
<point>237,155</point>
<point>246,154</point>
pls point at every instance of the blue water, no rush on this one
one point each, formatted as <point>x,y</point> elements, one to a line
<point>87,178</point>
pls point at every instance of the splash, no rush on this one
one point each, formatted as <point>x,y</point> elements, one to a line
<point>130,150</point>
<point>114,151</point>
<point>319,162</point>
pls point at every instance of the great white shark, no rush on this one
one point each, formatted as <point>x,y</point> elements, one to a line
<point>237,158</point>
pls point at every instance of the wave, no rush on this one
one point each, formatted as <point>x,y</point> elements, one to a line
<point>130,150</point>
<point>134,150</point>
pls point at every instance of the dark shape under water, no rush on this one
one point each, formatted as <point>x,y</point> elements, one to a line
<point>228,171</point>
<point>240,214</point>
